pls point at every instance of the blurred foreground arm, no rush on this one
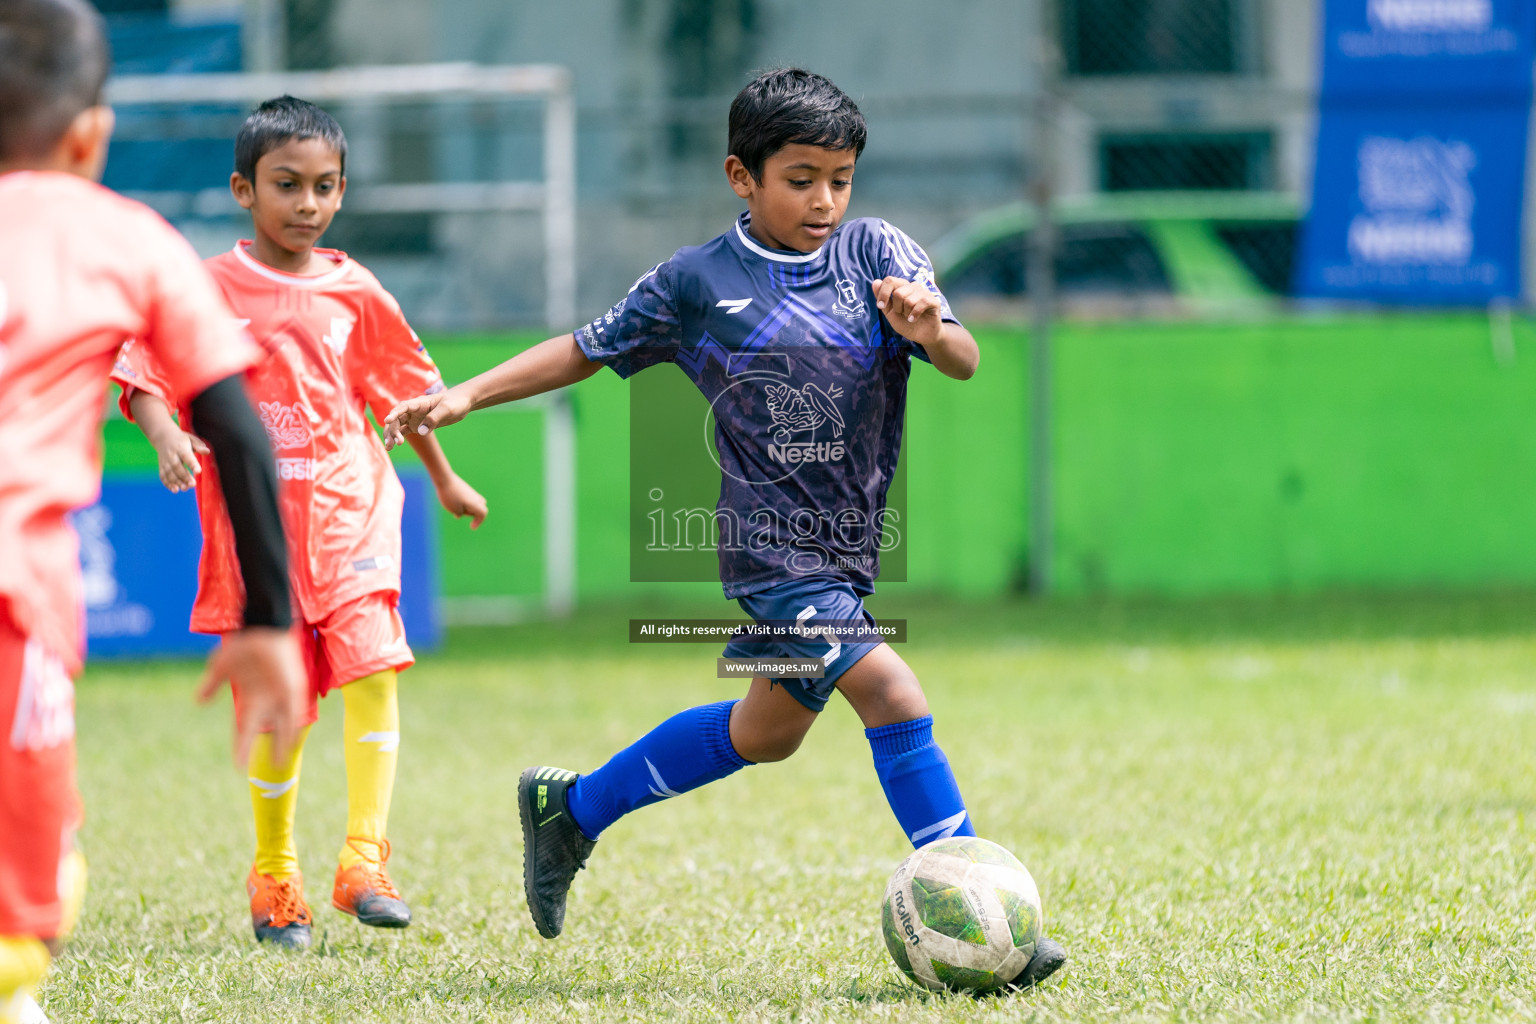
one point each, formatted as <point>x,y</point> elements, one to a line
<point>264,656</point>
<point>547,366</point>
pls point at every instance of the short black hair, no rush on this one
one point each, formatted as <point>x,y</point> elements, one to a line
<point>281,120</point>
<point>54,59</point>
<point>786,106</point>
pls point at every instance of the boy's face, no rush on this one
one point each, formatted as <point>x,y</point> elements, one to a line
<point>801,198</point>
<point>298,189</point>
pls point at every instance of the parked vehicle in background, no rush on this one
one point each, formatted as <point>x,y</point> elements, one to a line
<point>1130,253</point>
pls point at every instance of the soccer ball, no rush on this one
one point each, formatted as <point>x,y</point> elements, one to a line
<point>961,913</point>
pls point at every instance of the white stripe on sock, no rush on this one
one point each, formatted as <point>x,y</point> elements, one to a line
<point>945,828</point>
<point>660,789</point>
<point>387,741</point>
<point>272,790</point>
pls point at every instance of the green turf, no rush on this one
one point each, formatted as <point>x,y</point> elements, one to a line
<point>1265,810</point>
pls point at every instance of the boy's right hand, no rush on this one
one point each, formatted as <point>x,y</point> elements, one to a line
<point>267,663</point>
<point>424,415</point>
<point>178,451</point>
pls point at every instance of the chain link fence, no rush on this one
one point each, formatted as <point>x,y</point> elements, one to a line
<point>1168,148</point>
<point>1171,136</point>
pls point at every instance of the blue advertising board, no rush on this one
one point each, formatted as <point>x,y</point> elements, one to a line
<point>1419,178</point>
<point>139,548</point>
<point>1417,206</point>
<point>1440,50</point>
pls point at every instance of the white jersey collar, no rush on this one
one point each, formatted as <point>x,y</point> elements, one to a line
<point>777,255</point>
<point>257,267</point>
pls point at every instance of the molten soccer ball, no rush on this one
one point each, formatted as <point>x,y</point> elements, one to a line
<point>961,913</point>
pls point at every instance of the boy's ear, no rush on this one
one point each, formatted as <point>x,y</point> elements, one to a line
<point>82,149</point>
<point>742,182</point>
<point>341,190</point>
<point>242,189</point>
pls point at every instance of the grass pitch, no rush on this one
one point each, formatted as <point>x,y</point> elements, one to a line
<point>1241,811</point>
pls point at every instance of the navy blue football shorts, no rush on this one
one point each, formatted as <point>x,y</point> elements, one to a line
<point>812,617</point>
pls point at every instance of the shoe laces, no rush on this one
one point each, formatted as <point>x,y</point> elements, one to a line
<point>374,866</point>
<point>286,904</point>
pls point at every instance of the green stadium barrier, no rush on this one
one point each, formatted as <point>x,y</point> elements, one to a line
<point>1378,451</point>
<point>1370,451</point>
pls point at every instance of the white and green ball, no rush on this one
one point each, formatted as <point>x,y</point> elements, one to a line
<point>961,913</point>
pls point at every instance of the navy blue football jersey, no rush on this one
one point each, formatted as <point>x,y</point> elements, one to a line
<point>806,381</point>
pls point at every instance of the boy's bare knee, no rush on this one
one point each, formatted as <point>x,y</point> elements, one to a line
<point>769,724</point>
<point>883,689</point>
<point>769,746</point>
<point>763,740</point>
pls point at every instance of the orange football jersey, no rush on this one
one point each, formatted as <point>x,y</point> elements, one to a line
<point>83,268</point>
<point>336,345</point>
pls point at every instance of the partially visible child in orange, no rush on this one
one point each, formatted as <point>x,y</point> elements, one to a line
<point>336,343</point>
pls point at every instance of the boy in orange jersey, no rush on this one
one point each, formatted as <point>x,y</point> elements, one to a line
<point>335,342</point>
<point>82,269</point>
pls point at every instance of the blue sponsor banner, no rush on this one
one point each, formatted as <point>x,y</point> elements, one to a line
<point>1419,184</point>
<point>1440,50</point>
<point>420,587</point>
<point>139,547</point>
<point>138,556</point>
<point>1416,206</point>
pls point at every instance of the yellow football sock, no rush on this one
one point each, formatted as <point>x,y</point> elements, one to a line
<point>372,734</point>
<point>72,875</point>
<point>274,799</point>
<point>23,962</point>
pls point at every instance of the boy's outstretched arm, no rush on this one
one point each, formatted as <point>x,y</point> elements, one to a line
<point>915,313</point>
<point>547,366</point>
<point>452,491</point>
<point>176,449</point>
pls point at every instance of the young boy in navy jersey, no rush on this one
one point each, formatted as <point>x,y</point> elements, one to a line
<point>800,330</point>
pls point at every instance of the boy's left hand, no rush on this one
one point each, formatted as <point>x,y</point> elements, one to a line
<point>911,308</point>
<point>461,500</point>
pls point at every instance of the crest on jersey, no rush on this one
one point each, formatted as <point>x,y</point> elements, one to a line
<point>848,305</point>
<point>341,330</point>
<point>287,425</point>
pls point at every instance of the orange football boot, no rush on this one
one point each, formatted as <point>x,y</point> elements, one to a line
<point>365,891</point>
<point>279,914</point>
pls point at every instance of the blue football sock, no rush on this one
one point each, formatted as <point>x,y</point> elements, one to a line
<point>917,781</point>
<point>684,752</point>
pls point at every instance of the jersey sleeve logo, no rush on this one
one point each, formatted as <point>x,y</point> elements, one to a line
<point>341,330</point>
<point>287,425</point>
<point>733,305</point>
